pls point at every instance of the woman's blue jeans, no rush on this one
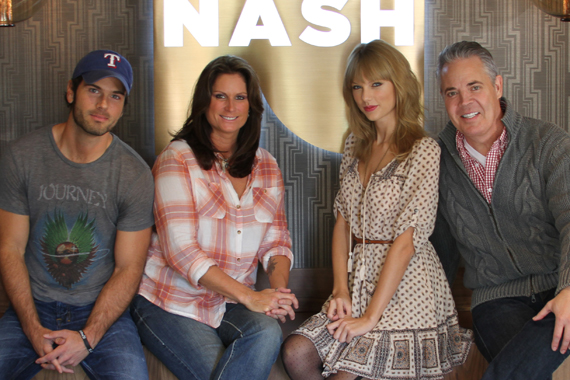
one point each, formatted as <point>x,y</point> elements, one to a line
<point>244,346</point>
<point>119,354</point>
<point>516,346</point>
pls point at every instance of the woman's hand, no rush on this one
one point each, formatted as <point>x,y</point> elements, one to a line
<point>285,307</point>
<point>276,303</point>
<point>340,306</point>
<point>347,328</point>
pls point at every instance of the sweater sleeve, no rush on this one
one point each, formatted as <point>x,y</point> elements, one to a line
<point>445,246</point>
<point>557,184</point>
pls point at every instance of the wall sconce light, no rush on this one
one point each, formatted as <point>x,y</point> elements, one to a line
<point>556,8</point>
<point>13,11</point>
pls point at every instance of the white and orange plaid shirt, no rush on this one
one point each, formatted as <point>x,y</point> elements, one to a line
<point>200,222</point>
<point>483,177</point>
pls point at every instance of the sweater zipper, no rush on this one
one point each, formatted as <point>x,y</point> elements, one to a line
<point>511,255</point>
<point>482,198</point>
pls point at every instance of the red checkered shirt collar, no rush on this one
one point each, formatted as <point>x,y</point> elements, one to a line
<point>483,177</point>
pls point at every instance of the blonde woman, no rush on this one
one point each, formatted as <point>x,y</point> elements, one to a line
<point>391,314</point>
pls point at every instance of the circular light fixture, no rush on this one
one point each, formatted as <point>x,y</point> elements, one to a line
<point>13,11</point>
<point>556,8</point>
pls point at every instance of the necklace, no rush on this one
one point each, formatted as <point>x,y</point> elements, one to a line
<point>377,166</point>
<point>224,163</point>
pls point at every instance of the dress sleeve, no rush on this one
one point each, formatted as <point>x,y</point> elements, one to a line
<point>347,161</point>
<point>419,195</point>
<point>176,216</point>
<point>277,240</point>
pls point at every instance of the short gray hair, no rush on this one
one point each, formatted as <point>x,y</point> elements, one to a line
<point>466,49</point>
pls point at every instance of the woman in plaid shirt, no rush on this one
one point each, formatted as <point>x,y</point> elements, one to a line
<point>218,212</point>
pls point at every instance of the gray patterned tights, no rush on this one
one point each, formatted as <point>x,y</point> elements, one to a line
<point>302,361</point>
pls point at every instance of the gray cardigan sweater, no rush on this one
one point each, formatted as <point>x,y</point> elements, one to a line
<point>519,244</point>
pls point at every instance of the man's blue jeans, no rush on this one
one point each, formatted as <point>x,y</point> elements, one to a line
<point>244,346</point>
<point>118,355</point>
<point>515,345</point>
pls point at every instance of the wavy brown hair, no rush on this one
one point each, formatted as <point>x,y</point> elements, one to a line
<point>378,60</point>
<point>196,130</point>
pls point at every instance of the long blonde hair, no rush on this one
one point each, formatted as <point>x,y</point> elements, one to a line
<point>378,60</point>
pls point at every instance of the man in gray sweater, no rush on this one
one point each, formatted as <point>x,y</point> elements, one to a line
<point>505,207</point>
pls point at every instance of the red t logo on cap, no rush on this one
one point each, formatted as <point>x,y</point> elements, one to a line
<point>112,58</point>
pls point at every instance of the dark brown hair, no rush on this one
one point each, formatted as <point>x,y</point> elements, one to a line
<point>196,130</point>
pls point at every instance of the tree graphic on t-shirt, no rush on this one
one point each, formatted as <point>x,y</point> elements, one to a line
<point>68,253</point>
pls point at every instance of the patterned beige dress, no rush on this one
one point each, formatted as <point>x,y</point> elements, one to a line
<point>418,336</point>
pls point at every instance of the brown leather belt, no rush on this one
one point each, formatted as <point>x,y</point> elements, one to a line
<point>368,241</point>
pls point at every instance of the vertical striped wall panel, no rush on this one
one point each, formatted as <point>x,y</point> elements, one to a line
<point>530,47</point>
<point>37,58</point>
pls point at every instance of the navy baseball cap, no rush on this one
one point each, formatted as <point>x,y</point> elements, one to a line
<point>101,64</point>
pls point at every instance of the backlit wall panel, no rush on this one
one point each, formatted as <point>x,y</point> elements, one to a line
<point>298,48</point>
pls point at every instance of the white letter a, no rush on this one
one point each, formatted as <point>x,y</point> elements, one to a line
<point>272,28</point>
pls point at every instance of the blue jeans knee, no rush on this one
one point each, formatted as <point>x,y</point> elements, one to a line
<point>118,355</point>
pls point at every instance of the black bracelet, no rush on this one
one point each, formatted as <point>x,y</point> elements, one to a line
<point>85,341</point>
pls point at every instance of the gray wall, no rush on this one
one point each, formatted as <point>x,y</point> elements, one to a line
<point>529,46</point>
<point>310,176</point>
<point>38,55</point>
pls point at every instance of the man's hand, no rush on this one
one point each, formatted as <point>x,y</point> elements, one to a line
<point>347,328</point>
<point>285,308</point>
<point>560,306</point>
<point>14,233</point>
<point>44,346</point>
<point>340,307</point>
<point>70,352</point>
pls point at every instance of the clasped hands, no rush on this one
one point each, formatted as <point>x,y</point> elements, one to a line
<point>69,349</point>
<point>275,303</point>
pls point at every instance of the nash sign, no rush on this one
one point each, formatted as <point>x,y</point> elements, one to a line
<point>204,25</point>
<point>298,48</point>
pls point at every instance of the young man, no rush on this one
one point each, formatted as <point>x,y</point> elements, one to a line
<point>75,220</point>
<point>505,207</point>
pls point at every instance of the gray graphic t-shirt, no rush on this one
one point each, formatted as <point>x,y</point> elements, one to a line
<point>75,211</point>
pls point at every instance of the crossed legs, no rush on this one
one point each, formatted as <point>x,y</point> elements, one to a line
<point>516,346</point>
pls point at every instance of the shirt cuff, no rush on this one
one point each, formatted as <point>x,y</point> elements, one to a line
<point>198,269</point>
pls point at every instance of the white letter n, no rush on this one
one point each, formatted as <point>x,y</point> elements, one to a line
<point>203,26</point>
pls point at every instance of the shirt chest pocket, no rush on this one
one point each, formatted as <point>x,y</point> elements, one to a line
<point>209,199</point>
<point>266,203</point>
